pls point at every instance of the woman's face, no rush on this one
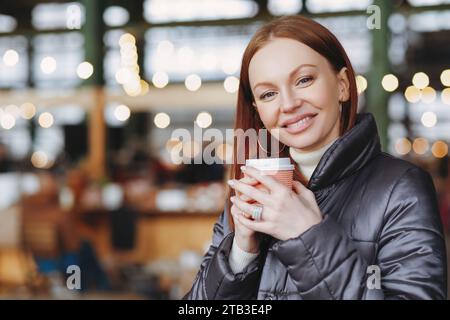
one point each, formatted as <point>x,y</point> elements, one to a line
<point>297,92</point>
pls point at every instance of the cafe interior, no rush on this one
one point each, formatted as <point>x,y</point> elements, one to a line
<point>92,91</point>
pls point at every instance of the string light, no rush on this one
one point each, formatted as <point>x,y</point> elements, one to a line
<point>10,58</point>
<point>160,79</point>
<point>7,121</point>
<point>46,120</point>
<point>162,120</point>
<point>48,65</point>
<point>445,77</point>
<point>85,70</point>
<point>122,112</point>
<point>420,146</point>
<point>203,119</point>
<point>420,80</point>
<point>428,95</point>
<point>439,149</point>
<point>361,84</point>
<point>40,160</point>
<point>193,82</point>
<point>231,84</point>
<point>126,38</point>
<point>128,74</point>
<point>445,96</point>
<point>389,82</point>
<point>412,94</point>
<point>402,146</point>
<point>27,110</point>
<point>429,119</point>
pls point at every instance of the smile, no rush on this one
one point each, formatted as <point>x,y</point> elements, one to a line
<point>300,125</point>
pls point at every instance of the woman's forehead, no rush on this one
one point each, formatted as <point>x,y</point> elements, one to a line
<point>282,55</point>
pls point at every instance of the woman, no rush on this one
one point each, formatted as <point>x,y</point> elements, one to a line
<point>358,224</point>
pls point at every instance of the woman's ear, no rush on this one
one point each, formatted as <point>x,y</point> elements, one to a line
<point>343,85</point>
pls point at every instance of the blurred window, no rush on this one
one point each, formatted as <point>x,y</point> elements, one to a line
<point>210,52</point>
<point>13,62</point>
<point>56,58</point>
<point>115,16</point>
<point>9,184</point>
<point>159,11</point>
<point>112,60</point>
<point>352,32</point>
<point>7,23</point>
<point>419,3</point>
<point>318,6</point>
<point>284,7</point>
<point>47,16</point>
<point>430,21</point>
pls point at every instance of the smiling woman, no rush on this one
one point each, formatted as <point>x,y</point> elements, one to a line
<point>352,209</point>
<point>313,84</point>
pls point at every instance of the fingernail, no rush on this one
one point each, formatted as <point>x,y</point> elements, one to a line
<point>243,168</point>
<point>231,182</point>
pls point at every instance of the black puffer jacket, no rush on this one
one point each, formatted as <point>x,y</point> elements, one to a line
<point>378,211</point>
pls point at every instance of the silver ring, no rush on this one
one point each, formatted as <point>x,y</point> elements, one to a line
<point>257,213</point>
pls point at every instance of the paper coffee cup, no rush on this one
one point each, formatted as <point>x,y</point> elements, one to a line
<point>279,168</point>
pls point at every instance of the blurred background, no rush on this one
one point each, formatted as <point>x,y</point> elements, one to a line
<point>91,91</point>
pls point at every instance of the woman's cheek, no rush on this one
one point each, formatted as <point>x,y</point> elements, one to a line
<point>269,116</point>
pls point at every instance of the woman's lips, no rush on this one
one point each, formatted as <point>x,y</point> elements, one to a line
<point>300,125</point>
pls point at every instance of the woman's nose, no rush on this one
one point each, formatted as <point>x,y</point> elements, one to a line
<point>290,102</point>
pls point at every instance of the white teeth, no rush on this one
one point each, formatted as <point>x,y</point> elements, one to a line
<point>299,123</point>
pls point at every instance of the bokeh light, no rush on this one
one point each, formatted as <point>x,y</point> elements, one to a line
<point>46,120</point>
<point>85,70</point>
<point>389,82</point>
<point>203,119</point>
<point>193,82</point>
<point>162,120</point>
<point>122,112</point>
<point>420,146</point>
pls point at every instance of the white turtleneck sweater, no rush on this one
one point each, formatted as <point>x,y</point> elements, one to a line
<point>307,162</point>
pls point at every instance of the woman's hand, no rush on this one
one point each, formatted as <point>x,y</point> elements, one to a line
<point>286,213</point>
<point>245,238</point>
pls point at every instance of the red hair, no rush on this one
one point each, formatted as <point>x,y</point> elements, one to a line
<point>318,38</point>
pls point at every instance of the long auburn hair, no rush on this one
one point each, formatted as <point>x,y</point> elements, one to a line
<point>318,38</point>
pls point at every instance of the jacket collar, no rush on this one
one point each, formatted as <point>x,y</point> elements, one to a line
<point>349,153</point>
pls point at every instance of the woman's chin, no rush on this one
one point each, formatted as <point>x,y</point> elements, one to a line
<point>303,142</point>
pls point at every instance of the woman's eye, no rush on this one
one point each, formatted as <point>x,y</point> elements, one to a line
<point>267,95</point>
<point>304,80</point>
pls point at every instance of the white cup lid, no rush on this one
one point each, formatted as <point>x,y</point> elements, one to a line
<point>270,164</point>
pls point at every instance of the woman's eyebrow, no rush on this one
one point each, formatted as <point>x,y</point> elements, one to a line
<point>291,74</point>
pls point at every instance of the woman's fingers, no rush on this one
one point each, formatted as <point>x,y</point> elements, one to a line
<point>269,182</point>
<point>243,206</point>
<point>235,212</point>
<point>250,181</point>
<point>258,226</point>
<point>298,187</point>
<point>304,193</point>
<point>243,197</point>
<point>250,191</point>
